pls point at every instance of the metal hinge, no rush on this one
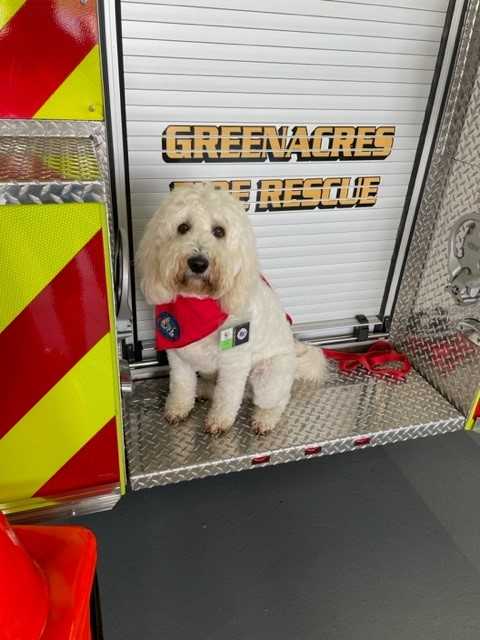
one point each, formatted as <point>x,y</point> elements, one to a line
<point>470,327</point>
<point>368,329</point>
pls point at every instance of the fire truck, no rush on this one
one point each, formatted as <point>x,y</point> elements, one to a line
<point>349,132</point>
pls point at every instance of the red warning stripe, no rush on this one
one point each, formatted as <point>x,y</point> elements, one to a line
<point>95,465</point>
<point>40,46</point>
<point>53,332</point>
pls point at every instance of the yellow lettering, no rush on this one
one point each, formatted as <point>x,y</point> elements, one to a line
<point>253,147</point>
<point>328,184</point>
<point>367,190</point>
<point>319,136</point>
<point>384,142</point>
<point>299,143</point>
<point>275,142</point>
<point>293,188</point>
<point>312,193</point>
<point>341,145</point>
<point>269,195</point>
<point>344,199</point>
<point>230,143</point>
<point>205,142</point>
<point>365,142</point>
<point>177,143</point>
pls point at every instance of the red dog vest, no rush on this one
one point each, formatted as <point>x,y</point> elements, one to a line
<point>187,320</point>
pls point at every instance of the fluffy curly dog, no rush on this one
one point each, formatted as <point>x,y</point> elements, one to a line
<point>200,244</point>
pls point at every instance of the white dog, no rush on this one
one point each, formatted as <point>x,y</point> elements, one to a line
<point>200,245</point>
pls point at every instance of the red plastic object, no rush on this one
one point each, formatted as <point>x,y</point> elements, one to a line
<point>313,450</point>
<point>362,442</point>
<point>67,557</point>
<point>23,590</point>
<point>46,580</point>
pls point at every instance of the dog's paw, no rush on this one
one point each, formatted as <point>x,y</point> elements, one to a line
<point>217,426</point>
<point>265,420</point>
<point>175,418</point>
<point>175,412</point>
<point>261,428</point>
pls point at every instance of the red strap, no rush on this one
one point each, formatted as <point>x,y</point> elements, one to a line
<point>373,360</point>
<point>287,315</point>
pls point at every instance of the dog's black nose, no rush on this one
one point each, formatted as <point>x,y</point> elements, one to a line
<point>198,264</point>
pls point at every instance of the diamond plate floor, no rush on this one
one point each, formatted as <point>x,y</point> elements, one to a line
<point>350,412</point>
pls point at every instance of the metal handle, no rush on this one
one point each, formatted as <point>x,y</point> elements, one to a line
<point>122,286</point>
<point>121,279</point>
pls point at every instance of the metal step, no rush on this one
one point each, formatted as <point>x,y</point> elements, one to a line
<point>49,170</point>
<point>351,412</point>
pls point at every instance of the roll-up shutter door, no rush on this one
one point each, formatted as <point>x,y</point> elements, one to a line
<point>320,107</point>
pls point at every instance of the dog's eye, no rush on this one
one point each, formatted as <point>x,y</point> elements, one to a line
<point>218,232</point>
<point>183,228</point>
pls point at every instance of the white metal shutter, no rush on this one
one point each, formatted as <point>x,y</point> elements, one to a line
<point>277,62</point>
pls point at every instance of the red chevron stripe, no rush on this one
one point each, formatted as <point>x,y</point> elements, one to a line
<point>40,46</point>
<point>57,328</point>
<point>95,465</point>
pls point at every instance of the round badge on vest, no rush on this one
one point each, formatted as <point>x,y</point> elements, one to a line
<point>168,326</point>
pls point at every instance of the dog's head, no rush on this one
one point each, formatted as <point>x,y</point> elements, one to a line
<point>199,243</point>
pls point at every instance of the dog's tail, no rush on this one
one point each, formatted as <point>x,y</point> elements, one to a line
<point>311,363</point>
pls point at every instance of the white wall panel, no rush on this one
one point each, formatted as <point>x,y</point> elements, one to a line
<point>233,115</point>
<point>270,39</point>
<point>178,85</point>
<point>280,63</point>
<point>280,54</point>
<point>240,19</point>
<point>223,171</point>
<point>268,70</point>
<point>408,12</point>
<point>225,100</point>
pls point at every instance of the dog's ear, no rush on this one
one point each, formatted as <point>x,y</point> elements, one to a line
<point>236,298</point>
<point>151,281</point>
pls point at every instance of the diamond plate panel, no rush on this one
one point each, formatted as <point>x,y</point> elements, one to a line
<point>59,128</point>
<point>29,159</point>
<point>95,131</point>
<point>469,148</point>
<point>51,192</point>
<point>335,417</point>
<point>426,318</point>
<point>37,170</point>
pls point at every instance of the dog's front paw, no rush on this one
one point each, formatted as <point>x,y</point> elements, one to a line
<point>264,421</point>
<point>217,425</point>
<point>176,411</point>
<point>261,428</point>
